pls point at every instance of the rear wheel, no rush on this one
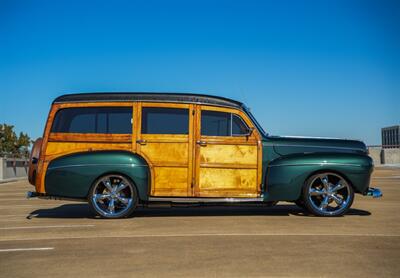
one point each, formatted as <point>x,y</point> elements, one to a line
<point>327,194</point>
<point>113,196</point>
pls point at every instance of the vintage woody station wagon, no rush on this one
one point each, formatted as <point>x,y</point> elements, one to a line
<point>121,150</point>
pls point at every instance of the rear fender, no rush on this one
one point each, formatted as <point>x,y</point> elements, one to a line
<point>72,175</point>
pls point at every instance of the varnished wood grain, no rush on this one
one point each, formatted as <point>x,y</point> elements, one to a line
<point>227,166</point>
<point>169,155</point>
<point>227,182</point>
<point>229,154</point>
<point>90,137</point>
<point>170,181</point>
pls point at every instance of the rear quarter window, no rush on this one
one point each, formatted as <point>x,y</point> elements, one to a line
<point>115,120</point>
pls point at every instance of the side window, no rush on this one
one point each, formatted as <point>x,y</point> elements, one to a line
<point>157,120</point>
<point>215,123</point>
<point>116,120</point>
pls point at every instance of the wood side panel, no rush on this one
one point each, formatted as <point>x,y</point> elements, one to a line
<point>166,152</point>
<point>234,154</point>
<point>228,165</point>
<point>196,152</point>
<point>135,126</point>
<point>165,138</point>
<point>42,166</point>
<point>170,181</point>
<point>228,182</point>
<point>190,182</point>
<point>90,137</point>
<point>56,149</point>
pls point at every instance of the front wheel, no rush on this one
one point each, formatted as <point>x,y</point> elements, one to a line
<point>327,194</point>
<point>113,196</point>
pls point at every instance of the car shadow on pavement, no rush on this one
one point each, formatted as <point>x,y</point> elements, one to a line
<point>84,211</point>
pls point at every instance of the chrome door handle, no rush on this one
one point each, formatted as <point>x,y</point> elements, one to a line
<point>201,143</point>
<point>141,142</point>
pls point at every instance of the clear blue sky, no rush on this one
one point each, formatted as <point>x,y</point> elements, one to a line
<point>316,68</point>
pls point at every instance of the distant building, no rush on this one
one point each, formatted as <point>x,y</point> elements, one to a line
<point>391,137</point>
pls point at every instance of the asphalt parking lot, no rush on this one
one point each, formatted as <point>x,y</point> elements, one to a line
<point>42,238</point>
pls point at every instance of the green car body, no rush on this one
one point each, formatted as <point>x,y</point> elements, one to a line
<point>287,163</point>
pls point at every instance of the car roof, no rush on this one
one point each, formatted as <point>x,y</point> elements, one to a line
<point>149,97</point>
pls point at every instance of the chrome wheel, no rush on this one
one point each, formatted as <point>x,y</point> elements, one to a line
<point>328,194</point>
<point>113,196</point>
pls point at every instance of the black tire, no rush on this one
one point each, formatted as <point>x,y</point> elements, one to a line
<point>300,203</point>
<point>113,196</point>
<point>327,194</point>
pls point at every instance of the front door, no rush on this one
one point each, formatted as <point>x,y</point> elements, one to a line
<point>227,154</point>
<point>165,140</point>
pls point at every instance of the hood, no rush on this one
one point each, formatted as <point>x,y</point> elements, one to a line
<point>285,145</point>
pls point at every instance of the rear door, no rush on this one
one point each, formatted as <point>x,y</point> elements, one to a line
<point>227,154</point>
<point>165,140</point>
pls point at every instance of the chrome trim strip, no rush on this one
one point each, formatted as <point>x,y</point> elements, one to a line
<point>319,164</point>
<point>204,200</point>
<point>86,165</point>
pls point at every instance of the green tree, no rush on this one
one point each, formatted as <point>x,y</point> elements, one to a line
<point>11,144</point>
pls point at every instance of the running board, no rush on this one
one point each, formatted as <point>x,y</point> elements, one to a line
<point>205,200</point>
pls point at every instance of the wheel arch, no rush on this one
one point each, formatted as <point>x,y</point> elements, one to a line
<point>73,175</point>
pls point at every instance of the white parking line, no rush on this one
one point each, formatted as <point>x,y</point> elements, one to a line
<point>27,249</point>
<point>46,227</point>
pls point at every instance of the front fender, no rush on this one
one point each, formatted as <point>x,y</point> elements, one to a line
<point>286,175</point>
<point>72,175</point>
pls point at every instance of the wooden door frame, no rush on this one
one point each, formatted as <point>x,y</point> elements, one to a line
<point>254,139</point>
<point>177,138</point>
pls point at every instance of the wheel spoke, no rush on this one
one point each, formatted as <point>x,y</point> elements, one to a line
<point>107,184</point>
<point>338,186</point>
<point>325,182</point>
<point>120,187</point>
<point>316,192</point>
<point>338,200</point>
<point>111,207</point>
<point>123,200</point>
<point>324,203</point>
<point>101,196</point>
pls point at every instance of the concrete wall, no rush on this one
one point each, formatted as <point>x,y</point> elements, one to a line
<point>391,156</point>
<point>13,168</point>
<point>376,154</point>
<point>384,156</point>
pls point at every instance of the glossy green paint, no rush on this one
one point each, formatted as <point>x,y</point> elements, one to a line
<point>72,175</point>
<point>289,161</point>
